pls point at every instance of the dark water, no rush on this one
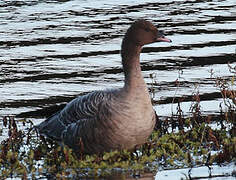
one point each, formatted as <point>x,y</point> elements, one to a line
<point>53,51</point>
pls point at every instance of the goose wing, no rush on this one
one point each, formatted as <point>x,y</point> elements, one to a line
<point>78,111</point>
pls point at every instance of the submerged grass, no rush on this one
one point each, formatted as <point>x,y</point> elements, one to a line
<point>177,142</point>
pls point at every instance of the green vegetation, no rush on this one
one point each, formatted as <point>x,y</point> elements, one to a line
<point>177,142</point>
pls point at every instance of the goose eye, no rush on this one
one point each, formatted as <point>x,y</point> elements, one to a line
<point>147,30</point>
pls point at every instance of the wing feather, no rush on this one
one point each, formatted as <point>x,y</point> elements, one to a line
<point>83,108</point>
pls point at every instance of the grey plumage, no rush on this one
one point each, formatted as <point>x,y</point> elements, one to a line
<point>111,119</point>
<point>79,120</point>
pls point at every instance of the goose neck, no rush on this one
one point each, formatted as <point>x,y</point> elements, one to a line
<point>130,53</point>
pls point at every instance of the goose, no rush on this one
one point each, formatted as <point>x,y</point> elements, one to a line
<point>111,119</point>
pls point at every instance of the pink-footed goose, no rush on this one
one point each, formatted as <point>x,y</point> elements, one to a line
<point>115,118</point>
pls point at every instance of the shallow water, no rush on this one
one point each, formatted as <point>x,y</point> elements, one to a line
<point>217,173</point>
<point>53,51</point>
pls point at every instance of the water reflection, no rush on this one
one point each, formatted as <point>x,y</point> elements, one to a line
<point>61,49</point>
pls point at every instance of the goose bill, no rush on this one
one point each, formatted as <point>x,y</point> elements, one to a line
<point>163,39</point>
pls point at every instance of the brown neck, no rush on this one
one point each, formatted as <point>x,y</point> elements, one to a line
<point>130,53</point>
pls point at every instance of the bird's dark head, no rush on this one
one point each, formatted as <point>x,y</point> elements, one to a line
<point>144,32</point>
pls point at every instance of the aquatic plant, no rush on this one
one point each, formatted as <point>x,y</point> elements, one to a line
<point>25,154</point>
<point>179,141</point>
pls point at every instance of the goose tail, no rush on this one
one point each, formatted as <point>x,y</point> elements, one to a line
<point>51,128</point>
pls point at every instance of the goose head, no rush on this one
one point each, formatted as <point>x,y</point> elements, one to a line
<point>143,32</point>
